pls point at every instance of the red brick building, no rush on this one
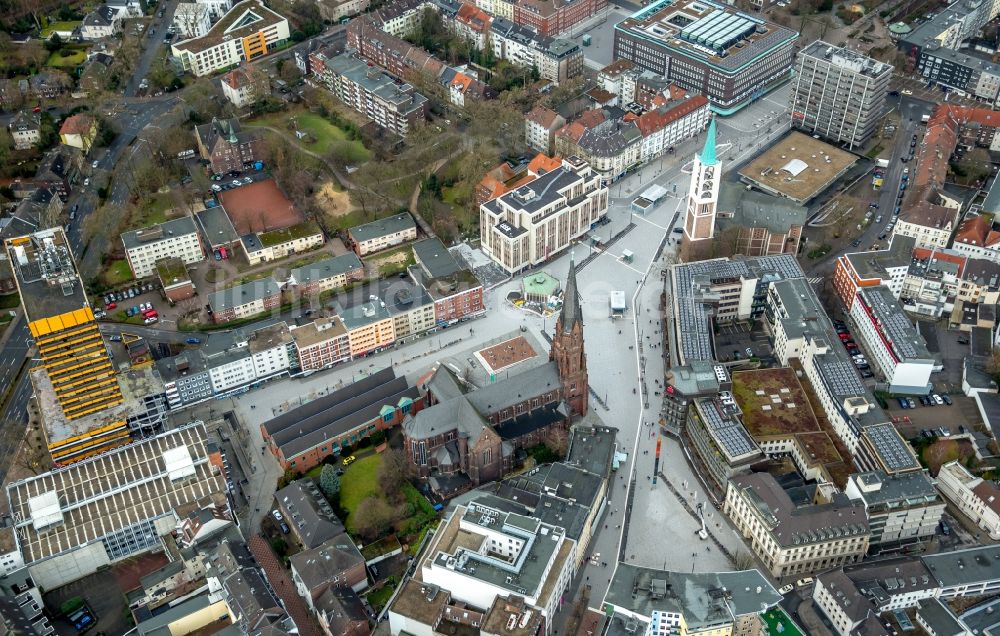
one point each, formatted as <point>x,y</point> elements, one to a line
<point>300,439</point>
<point>555,18</point>
<point>470,437</point>
<point>457,293</point>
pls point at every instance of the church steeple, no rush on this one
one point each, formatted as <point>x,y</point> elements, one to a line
<point>571,313</point>
<point>567,347</point>
<point>708,157</point>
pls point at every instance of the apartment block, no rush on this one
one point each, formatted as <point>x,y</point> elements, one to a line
<point>245,86</point>
<point>796,540</point>
<point>557,60</point>
<point>930,225</point>
<point>540,126</point>
<point>25,130</point>
<point>244,301</point>
<point>326,275</point>
<point>321,344</point>
<point>529,225</point>
<point>748,54</point>
<point>273,245</point>
<point>895,346</point>
<point>371,91</point>
<point>838,94</point>
<point>249,30</point>
<point>177,238</point>
<point>383,233</point>
<point>976,498</point>
<point>887,267</point>
<point>902,509</point>
<point>457,293</point>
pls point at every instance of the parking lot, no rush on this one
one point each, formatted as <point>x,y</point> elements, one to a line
<point>740,341</point>
<point>960,417</point>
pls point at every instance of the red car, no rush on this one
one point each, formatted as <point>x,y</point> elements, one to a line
<point>844,336</point>
<point>150,313</point>
<point>110,306</point>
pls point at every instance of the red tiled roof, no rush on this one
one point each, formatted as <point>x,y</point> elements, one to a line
<point>618,67</point>
<point>600,95</point>
<point>474,17</point>
<point>591,118</point>
<point>544,162</point>
<point>463,81</point>
<point>653,120</point>
<point>573,131</point>
<point>992,238</point>
<point>973,231</point>
<point>77,125</point>
<point>542,116</point>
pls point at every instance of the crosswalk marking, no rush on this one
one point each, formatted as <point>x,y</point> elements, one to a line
<point>815,281</point>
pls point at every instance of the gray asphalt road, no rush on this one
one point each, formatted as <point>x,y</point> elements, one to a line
<point>152,41</point>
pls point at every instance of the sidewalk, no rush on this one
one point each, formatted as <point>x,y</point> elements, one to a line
<point>11,327</point>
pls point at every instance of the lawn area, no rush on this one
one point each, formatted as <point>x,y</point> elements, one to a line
<point>380,597</point>
<point>76,58</point>
<point>359,480</point>
<point>394,261</point>
<point>778,624</point>
<point>116,273</point>
<point>155,210</point>
<point>52,27</point>
<point>325,133</point>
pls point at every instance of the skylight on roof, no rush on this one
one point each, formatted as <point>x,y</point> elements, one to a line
<point>178,463</point>
<point>244,20</point>
<point>45,510</point>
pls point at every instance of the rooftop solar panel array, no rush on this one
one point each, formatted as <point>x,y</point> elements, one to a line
<point>729,434</point>
<point>694,332</point>
<point>842,378</point>
<point>891,447</point>
<point>906,342</point>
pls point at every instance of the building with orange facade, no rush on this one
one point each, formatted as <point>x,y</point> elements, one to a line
<point>248,31</point>
<point>869,269</point>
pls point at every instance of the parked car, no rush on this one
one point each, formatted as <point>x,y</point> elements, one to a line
<point>937,399</point>
<point>924,400</point>
<point>284,527</point>
<point>111,305</point>
<point>349,460</point>
<point>865,373</point>
<point>115,338</point>
<point>903,404</point>
<point>150,320</point>
<point>216,187</point>
<point>749,352</point>
<point>277,515</point>
<point>944,432</point>
<point>193,341</point>
<point>946,399</point>
<point>804,582</point>
<point>913,404</point>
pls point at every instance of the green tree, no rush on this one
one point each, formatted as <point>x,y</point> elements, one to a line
<point>329,481</point>
<point>54,43</point>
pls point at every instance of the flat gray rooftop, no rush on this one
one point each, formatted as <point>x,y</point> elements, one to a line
<point>46,274</point>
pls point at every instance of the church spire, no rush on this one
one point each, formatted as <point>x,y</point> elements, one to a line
<point>571,312</point>
<point>708,157</point>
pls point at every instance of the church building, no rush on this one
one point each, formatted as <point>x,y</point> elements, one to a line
<point>468,436</point>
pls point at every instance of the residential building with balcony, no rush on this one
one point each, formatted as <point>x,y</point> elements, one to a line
<point>392,104</point>
<point>321,344</point>
<point>457,293</point>
<point>838,94</point>
<point>383,234</point>
<point>529,225</point>
<point>244,301</point>
<point>903,510</point>
<point>247,31</point>
<point>177,238</point>
<point>326,275</point>
<point>887,267</point>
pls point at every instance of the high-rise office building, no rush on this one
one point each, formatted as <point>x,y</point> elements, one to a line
<point>838,94</point>
<point>76,385</point>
